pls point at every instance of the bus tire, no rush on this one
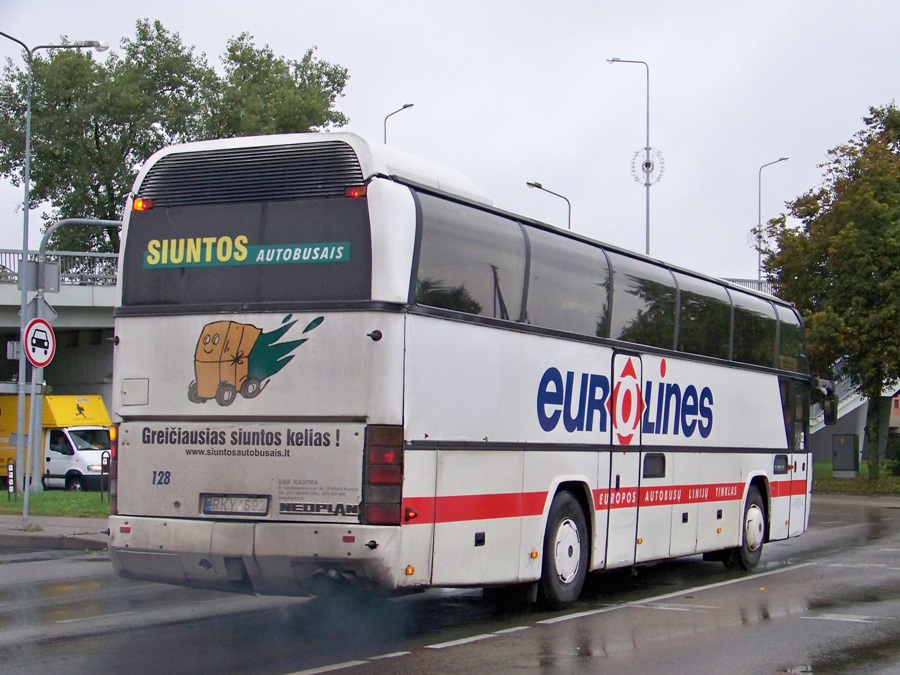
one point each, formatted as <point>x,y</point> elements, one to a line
<point>753,533</point>
<point>225,394</point>
<point>566,545</point>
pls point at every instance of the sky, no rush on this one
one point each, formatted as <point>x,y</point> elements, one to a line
<point>512,91</point>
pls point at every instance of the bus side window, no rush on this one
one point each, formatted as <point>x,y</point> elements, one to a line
<point>791,351</point>
<point>568,285</point>
<point>755,326</point>
<point>643,303</point>
<point>704,317</point>
<point>470,261</point>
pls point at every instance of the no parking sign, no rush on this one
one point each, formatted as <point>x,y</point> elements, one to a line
<point>39,343</point>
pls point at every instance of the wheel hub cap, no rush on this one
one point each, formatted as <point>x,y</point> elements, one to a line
<point>568,551</point>
<point>754,528</point>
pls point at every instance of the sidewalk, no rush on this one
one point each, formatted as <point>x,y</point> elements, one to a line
<point>69,534</point>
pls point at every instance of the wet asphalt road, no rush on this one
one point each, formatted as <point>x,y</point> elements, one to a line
<point>826,602</point>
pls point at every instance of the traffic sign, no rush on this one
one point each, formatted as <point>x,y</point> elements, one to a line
<point>39,306</point>
<point>39,343</point>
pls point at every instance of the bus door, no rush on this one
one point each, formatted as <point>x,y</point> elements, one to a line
<point>626,406</point>
<point>796,420</point>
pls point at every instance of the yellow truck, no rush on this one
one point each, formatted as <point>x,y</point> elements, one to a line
<point>74,437</point>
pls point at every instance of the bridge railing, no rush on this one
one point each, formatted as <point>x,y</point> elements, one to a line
<point>75,267</point>
<point>755,285</point>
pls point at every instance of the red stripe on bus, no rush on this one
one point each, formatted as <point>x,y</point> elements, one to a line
<point>459,508</point>
<point>786,488</point>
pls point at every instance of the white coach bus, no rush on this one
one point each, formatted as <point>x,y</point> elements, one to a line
<point>335,361</point>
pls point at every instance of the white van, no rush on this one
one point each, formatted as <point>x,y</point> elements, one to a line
<point>74,439</point>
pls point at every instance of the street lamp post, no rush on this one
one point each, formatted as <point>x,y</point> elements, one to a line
<point>534,184</point>
<point>23,281</point>
<point>405,106</point>
<point>648,165</point>
<point>759,219</point>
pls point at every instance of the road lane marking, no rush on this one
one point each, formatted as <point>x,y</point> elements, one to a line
<point>849,618</point>
<point>331,668</point>
<point>477,638</point>
<point>392,655</point>
<point>677,608</point>
<point>95,617</point>
<point>461,641</point>
<point>676,594</point>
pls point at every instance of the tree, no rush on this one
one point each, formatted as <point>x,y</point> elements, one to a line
<point>94,123</point>
<point>841,265</point>
<point>265,94</point>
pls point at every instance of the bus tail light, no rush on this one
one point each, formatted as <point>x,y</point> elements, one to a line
<point>382,475</point>
<point>355,191</point>
<point>141,204</point>
<point>114,469</point>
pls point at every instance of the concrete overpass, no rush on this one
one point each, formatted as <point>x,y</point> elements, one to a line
<point>83,361</point>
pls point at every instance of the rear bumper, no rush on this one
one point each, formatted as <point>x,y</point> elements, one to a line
<point>257,557</point>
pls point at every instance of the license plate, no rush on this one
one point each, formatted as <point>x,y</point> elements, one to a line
<point>235,505</point>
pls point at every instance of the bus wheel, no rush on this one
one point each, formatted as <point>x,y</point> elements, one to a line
<point>250,388</point>
<point>225,394</point>
<point>747,555</point>
<point>74,483</point>
<point>193,397</point>
<point>565,552</point>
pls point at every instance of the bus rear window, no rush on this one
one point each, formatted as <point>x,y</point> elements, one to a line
<point>248,252</point>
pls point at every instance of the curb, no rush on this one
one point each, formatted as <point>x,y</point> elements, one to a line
<point>44,541</point>
<point>54,534</point>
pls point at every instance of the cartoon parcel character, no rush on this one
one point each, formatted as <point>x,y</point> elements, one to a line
<point>238,358</point>
<point>222,358</point>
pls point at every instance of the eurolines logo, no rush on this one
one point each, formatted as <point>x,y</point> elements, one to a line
<point>225,250</point>
<point>586,402</point>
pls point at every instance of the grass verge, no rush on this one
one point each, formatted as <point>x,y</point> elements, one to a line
<point>59,503</point>
<point>824,482</point>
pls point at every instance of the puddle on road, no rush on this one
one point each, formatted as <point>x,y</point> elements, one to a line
<point>885,592</point>
<point>857,656</point>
